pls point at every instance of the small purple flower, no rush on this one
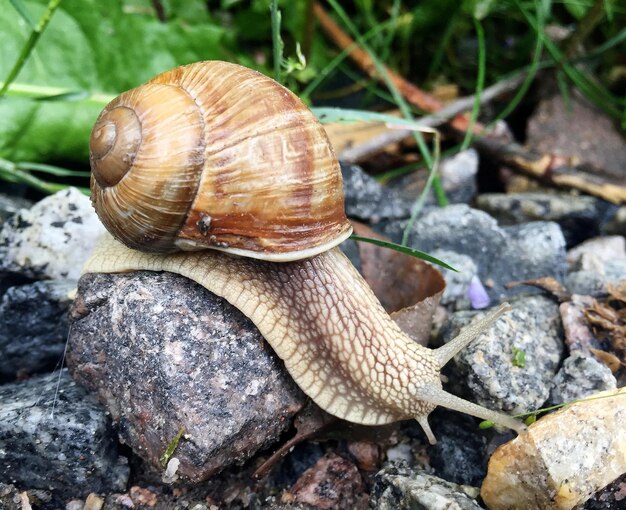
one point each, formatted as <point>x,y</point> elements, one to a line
<point>477,294</point>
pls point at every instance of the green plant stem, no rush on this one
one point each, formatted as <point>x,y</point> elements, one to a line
<point>277,43</point>
<point>43,92</point>
<point>480,84</point>
<point>30,44</point>
<point>402,104</point>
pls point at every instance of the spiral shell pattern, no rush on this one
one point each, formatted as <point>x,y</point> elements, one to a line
<point>215,155</point>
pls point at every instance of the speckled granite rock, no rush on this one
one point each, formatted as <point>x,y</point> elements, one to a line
<point>579,377</point>
<point>487,368</point>
<point>52,239</point>
<point>401,488</point>
<point>57,439</point>
<point>562,459</point>
<point>501,254</point>
<point>164,353</point>
<point>33,327</point>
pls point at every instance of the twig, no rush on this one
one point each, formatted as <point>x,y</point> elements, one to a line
<point>411,93</point>
<point>375,145</point>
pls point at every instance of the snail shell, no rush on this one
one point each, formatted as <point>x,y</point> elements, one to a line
<point>216,155</point>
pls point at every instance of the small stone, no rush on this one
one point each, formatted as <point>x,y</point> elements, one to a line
<point>457,282</point>
<point>459,455</point>
<point>602,249</point>
<point>487,368</point>
<point>33,327</point>
<point>579,377</point>
<point>562,459</point>
<point>367,200</point>
<point>366,454</point>
<point>611,497</point>
<point>578,334</point>
<point>164,353</point>
<point>589,283</point>
<point>579,216</point>
<point>331,483</point>
<point>457,175</point>
<point>52,239</point>
<point>143,496</point>
<point>401,488</point>
<point>57,438</point>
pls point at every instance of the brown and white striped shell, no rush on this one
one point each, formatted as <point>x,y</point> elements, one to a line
<point>215,155</point>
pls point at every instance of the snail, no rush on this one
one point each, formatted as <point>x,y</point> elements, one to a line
<point>215,155</point>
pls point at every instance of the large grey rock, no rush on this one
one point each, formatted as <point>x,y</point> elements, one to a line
<point>57,439</point>
<point>501,254</point>
<point>52,239</point>
<point>488,366</point>
<point>33,326</point>
<point>401,488</point>
<point>579,377</point>
<point>164,353</point>
<point>10,204</point>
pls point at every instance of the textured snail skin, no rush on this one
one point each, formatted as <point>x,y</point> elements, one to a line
<point>322,319</point>
<point>213,154</point>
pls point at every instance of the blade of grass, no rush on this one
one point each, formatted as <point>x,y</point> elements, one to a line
<point>51,169</point>
<point>44,93</point>
<point>404,249</point>
<point>399,100</point>
<point>11,173</point>
<point>419,203</point>
<point>480,84</point>
<point>30,44</point>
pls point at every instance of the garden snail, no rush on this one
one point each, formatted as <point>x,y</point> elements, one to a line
<point>214,155</point>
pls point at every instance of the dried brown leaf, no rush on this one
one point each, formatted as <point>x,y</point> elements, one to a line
<point>609,359</point>
<point>548,284</point>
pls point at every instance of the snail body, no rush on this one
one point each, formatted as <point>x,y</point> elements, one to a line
<point>313,307</point>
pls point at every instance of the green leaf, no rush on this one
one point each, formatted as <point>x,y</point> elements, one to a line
<point>577,8</point>
<point>519,357</point>
<point>93,47</point>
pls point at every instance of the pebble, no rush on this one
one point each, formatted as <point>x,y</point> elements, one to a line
<point>457,282</point>
<point>595,264</point>
<point>52,239</point>
<point>459,455</point>
<point>163,353</point>
<point>562,459</point>
<point>331,483</point>
<point>579,216</point>
<point>33,327</point>
<point>457,175</point>
<point>56,439</point>
<point>367,200</point>
<point>487,367</point>
<point>397,487</point>
<point>578,334</point>
<point>501,254</point>
<point>579,377</point>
